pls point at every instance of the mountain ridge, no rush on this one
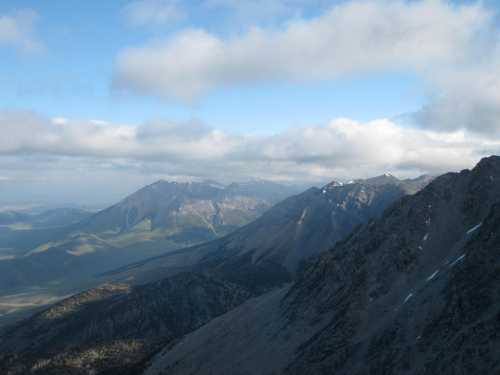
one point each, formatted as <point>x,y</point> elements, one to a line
<point>386,300</point>
<point>226,260</point>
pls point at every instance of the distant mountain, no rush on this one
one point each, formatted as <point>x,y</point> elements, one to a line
<point>22,231</point>
<point>12,217</point>
<point>156,219</point>
<point>297,228</point>
<point>187,212</point>
<point>410,185</point>
<point>414,292</point>
<point>124,327</point>
<point>56,217</point>
<point>385,179</point>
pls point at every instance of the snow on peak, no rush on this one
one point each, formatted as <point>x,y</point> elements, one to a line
<point>333,184</point>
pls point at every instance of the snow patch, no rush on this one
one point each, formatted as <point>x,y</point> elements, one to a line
<point>408,297</point>
<point>432,276</point>
<point>302,217</point>
<point>473,229</point>
<point>461,257</point>
<point>426,237</point>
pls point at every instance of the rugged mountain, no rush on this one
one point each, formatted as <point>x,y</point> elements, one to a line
<point>414,292</point>
<point>257,258</point>
<point>293,230</point>
<point>187,212</point>
<point>410,185</point>
<point>41,264</point>
<point>157,218</point>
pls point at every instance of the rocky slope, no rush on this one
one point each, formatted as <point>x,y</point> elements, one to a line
<point>415,292</point>
<point>115,326</point>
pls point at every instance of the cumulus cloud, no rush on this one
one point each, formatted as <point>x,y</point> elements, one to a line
<point>455,48</point>
<point>153,12</point>
<point>17,30</point>
<point>356,36</point>
<point>343,148</point>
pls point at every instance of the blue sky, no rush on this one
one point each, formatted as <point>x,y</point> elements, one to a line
<point>121,93</point>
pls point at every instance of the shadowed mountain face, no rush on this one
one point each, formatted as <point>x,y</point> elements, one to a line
<point>114,326</point>
<point>414,292</point>
<point>253,260</point>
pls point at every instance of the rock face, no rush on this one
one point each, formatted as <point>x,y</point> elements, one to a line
<point>414,292</point>
<point>117,327</point>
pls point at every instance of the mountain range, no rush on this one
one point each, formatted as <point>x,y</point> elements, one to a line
<point>413,292</point>
<point>147,305</point>
<point>43,260</point>
<point>413,289</point>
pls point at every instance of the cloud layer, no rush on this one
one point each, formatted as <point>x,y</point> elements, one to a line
<point>341,149</point>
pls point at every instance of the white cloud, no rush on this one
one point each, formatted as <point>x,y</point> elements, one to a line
<point>341,149</point>
<point>454,48</point>
<point>356,36</point>
<point>153,12</point>
<point>17,30</point>
<point>466,97</point>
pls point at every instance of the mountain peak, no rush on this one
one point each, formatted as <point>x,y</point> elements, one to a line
<point>384,179</point>
<point>488,163</point>
<point>333,184</point>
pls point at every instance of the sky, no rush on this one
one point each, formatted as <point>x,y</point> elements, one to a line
<point>99,98</point>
